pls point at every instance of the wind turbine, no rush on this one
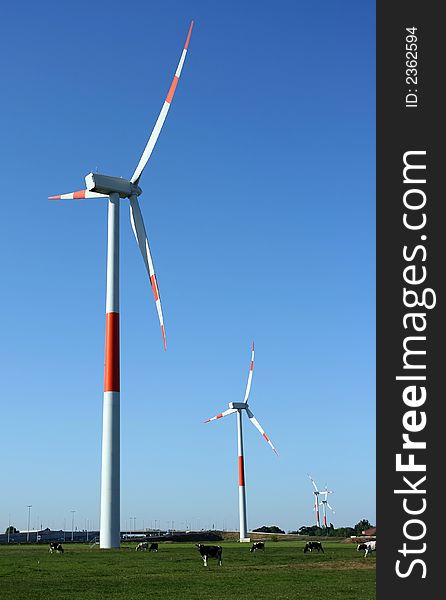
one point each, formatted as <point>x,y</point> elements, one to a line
<point>316,500</point>
<point>238,407</point>
<point>115,189</point>
<point>324,503</point>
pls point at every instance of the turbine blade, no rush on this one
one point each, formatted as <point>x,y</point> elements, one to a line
<point>314,483</point>
<point>251,369</point>
<point>222,414</point>
<point>259,428</point>
<point>163,114</point>
<point>80,195</point>
<point>141,237</point>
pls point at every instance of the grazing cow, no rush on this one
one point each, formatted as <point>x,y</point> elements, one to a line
<point>310,546</point>
<point>257,546</point>
<point>56,547</point>
<point>367,546</point>
<point>209,551</point>
<point>142,546</point>
<point>153,547</point>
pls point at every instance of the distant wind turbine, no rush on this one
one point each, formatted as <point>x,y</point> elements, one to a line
<point>115,189</point>
<point>238,407</point>
<point>324,503</point>
<point>316,493</point>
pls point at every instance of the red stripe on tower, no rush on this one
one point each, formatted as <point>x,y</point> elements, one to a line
<point>172,89</point>
<point>241,471</point>
<point>111,370</point>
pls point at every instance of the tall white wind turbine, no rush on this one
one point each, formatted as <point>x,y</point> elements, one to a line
<point>116,189</point>
<point>324,503</point>
<point>316,493</point>
<point>238,407</point>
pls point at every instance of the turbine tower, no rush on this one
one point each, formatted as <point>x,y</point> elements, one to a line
<point>238,407</point>
<point>116,189</point>
<point>324,503</point>
<point>316,500</point>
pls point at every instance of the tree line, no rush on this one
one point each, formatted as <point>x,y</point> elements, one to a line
<point>314,530</point>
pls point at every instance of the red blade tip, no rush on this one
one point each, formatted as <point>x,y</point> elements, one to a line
<point>186,45</point>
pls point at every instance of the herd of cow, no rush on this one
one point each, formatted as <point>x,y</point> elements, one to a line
<point>145,546</point>
<point>216,551</point>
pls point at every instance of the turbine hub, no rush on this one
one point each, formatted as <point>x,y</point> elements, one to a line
<point>106,184</point>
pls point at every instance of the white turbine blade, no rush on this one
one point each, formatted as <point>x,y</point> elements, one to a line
<point>80,195</point>
<point>163,114</point>
<point>141,237</point>
<point>222,414</point>
<point>314,483</point>
<point>326,492</point>
<point>330,507</point>
<point>259,428</point>
<point>251,369</point>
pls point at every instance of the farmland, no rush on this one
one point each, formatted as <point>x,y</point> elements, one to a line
<point>176,572</point>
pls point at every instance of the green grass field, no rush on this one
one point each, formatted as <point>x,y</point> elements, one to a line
<point>176,572</point>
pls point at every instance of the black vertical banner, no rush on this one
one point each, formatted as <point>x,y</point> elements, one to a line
<point>411,298</point>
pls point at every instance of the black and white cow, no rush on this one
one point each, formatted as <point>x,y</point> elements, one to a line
<point>209,552</point>
<point>310,546</point>
<point>153,547</point>
<point>257,546</point>
<point>56,547</point>
<point>367,546</point>
<point>142,546</point>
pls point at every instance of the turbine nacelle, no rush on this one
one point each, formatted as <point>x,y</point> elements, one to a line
<point>238,405</point>
<point>106,184</point>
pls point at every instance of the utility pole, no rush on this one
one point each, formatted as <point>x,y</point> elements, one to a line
<point>72,524</point>
<point>29,517</point>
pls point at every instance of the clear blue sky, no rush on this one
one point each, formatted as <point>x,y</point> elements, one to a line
<point>259,201</point>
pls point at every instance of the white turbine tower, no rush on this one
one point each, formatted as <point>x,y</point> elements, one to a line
<point>316,493</point>
<point>238,407</point>
<point>324,503</point>
<point>115,189</point>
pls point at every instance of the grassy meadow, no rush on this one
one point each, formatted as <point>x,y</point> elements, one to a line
<point>176,572</point>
